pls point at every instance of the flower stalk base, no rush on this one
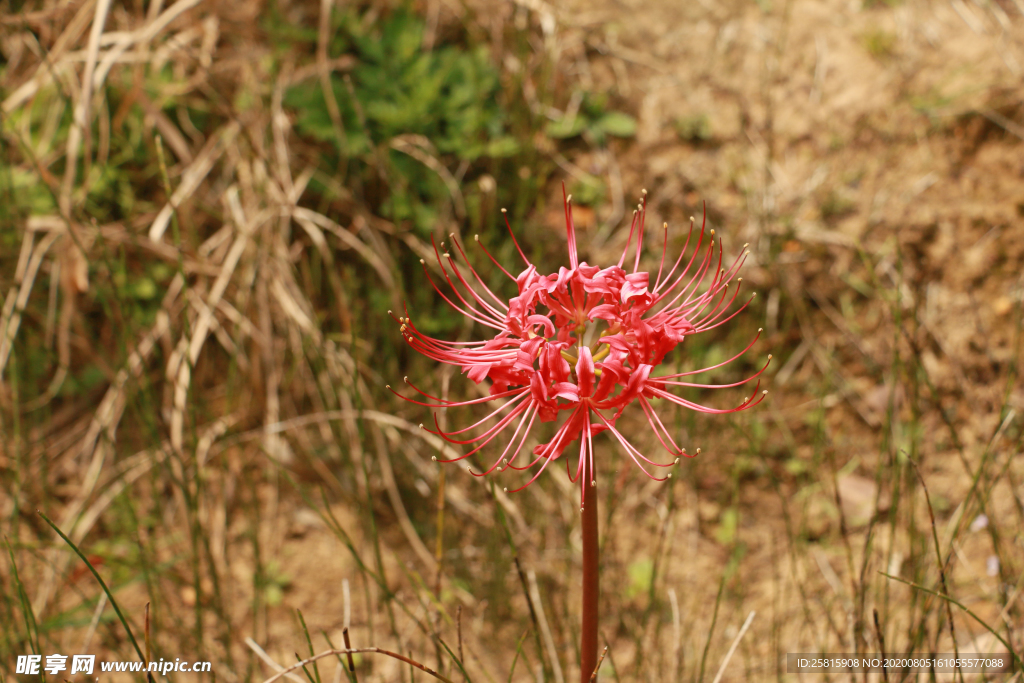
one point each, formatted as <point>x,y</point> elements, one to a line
<point>591,591</point>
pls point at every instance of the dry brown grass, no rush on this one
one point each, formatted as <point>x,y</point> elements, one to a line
<point>193,380</point>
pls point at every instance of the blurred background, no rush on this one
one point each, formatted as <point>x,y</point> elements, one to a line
<point>208,208</point>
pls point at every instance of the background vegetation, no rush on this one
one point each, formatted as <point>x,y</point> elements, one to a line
<point>206,210</point>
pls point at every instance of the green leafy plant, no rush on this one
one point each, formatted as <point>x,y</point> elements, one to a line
<point>402,112</point>
<point>880,44</point>
<point>593,121</point>
<point>695,128</point>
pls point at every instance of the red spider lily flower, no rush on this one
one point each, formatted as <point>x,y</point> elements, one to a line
<point>583,341</point>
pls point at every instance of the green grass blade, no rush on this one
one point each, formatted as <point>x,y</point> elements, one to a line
<point>519,650</point>
<point>31,627</point>
<point>1016,657</point>
<point>103,585</point>
<point>458,662</point>
<point>309,644</point>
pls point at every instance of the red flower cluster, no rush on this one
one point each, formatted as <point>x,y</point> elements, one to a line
<point>582,341</point>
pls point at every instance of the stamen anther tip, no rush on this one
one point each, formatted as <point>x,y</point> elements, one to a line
<point>769,356</point>
<point>476,237</point>
<point>593,483</point>
<point>669,476</point>
<point>423,262</point>
<point>434,458</point>
<point>760,330</point>
<point>504,210</point>
<point>568,200</point>
<point>506,489</point>
<point>764,393</point>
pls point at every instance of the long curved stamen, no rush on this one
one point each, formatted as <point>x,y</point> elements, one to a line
<point>718,365</point>
<point>706,409</point>
<point>448,404</point>
<point>633,452</point>
<point>499,426</point>
<point>534,477</point>
<point>501,304</point>
<point>545,455</point>
<point>495,317</point>
<point>640,236</point>
<point>461,357</point>
<point>681,255</point>
<point>632,225</point>
<point>473,316</point>
<point>583,444</point>
<point>476,238</point>
<point>731,316</point>
<point>718,310</point>
<point>491,435</point>
<point>661,266</point>
<point>655,422</point>
<point>511,234</point>
<point>662,380</point>
<point>570,229</point>
<point>703,272</point>
<point>695,278</point>
<point>548,450</point>
<point>723,292</point>
<point>590,448</point>
<point>530,412</point>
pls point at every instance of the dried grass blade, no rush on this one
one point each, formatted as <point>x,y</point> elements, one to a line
<point>350,240</point>
<point>194,175</point>
<point>80,127</point>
